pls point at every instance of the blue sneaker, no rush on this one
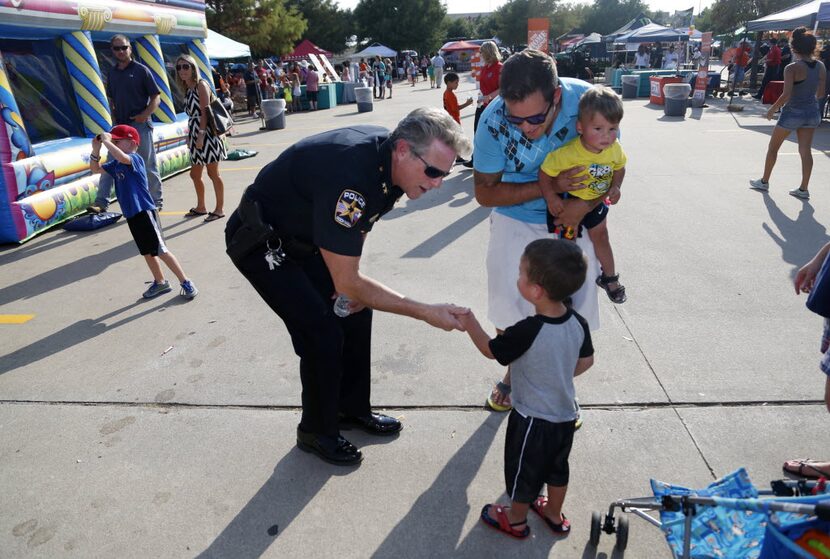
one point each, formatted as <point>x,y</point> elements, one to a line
<point>157,289</point>
<point>189,290</point>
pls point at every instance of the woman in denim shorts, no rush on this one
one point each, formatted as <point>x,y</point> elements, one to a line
<point>804,81</point>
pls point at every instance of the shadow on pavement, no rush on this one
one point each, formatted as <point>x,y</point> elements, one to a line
<point>460,185</point>
<point>77,334</point>
<point>78,270</point>
<point>278,502</point>
<point>443,238</point>
<point>442,509</point>
<point>799,238</point>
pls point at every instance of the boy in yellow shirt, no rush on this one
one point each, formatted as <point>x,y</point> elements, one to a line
<point>597,149</point>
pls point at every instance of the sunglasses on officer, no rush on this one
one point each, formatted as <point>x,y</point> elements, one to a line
<point>532,119</point>
<point>430,171</point>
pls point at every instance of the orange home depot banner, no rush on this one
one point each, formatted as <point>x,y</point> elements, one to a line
<point>537,33</point>
<point>475,66</point>
<point>702,80</point>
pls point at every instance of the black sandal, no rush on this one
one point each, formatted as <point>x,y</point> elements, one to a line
<point>616,295</point>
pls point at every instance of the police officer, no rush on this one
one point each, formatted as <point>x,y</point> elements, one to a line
<point>297,236</point>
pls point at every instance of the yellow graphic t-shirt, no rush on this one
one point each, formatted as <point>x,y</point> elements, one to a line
<point>599,167</point>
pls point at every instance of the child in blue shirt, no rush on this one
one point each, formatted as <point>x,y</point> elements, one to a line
<point>127,170</point>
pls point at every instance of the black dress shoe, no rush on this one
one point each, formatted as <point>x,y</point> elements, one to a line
<point>334,450</point>
<point>374,423</point>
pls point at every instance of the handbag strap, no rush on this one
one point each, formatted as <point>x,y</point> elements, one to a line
<point>210,91</point>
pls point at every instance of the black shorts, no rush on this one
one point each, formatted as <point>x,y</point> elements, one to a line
<point>591,219</point>
<point>311,95</point>
<point>595,216</point>
<point>146,230</point>
<point>535,453</point>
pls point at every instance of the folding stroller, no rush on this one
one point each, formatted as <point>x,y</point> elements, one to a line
<point>730,519</point>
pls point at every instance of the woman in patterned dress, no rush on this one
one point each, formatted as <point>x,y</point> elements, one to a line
<point>206,149</point>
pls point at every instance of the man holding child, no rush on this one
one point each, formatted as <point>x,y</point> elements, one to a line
<point>535,114</point>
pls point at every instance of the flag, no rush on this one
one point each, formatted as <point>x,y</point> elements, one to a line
<point>683,18</point>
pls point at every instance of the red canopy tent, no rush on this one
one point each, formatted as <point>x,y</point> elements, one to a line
<point>460,45</point>
<point>302,50</point>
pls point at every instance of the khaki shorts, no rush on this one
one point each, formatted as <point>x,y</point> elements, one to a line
<point>508,239</point>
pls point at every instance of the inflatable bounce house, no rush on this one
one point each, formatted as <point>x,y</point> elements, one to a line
<point>54,59</point>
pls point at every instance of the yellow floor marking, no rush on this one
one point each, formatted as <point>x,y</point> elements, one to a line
<point>173,213</point>
<point>15,318</point>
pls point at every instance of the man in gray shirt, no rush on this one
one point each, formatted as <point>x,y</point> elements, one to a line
<point>134,96</point>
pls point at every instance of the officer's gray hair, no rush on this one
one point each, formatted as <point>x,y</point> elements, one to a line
<point>420,127</point>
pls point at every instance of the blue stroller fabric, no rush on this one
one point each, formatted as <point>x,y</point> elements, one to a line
<point>90,222</point>
<point>795,536</point>
<point>717,532</point>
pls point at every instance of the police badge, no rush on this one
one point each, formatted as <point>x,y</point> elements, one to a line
<point>350,207</point>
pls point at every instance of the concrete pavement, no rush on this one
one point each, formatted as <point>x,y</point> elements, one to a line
<point>165,428</point>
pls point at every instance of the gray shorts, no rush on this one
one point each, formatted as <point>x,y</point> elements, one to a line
<point>795,118</point>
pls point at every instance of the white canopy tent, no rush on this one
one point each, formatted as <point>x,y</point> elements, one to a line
<point>809,14</point>
<point>220,47</point>
<point>375,49</point>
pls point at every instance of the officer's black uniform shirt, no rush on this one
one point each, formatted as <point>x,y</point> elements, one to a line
<point>330,188</point>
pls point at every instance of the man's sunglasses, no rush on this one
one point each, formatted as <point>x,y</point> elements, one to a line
<point>183,66</point>
<point>430,171</point>
<point>532,119</point>
<point>120,48</point>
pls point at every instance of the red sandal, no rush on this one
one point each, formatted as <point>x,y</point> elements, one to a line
<point>502,523</point>
<point>562,529</point>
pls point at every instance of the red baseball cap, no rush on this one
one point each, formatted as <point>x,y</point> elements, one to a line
<point>124,132</point>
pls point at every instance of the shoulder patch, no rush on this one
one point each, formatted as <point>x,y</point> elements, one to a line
<point>350,207</point>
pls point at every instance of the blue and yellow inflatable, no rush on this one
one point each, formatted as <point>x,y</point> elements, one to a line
<point>53,100</point>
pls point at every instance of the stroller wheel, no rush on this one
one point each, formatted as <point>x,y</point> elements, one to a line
<point>622,534</point>
<point>596,528</point>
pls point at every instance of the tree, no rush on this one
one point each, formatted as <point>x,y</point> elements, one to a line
<point>267,26</point>
<point>568,17</point>
<point>511,18</point>
<point>727,15</point>
<point>485,27</point>
<point>401,24</point>
<point>328,26</point>
<point>606,16</point>
<point>703,20</point>
<point>458,28</point>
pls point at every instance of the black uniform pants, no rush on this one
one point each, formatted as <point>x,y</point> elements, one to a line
<point>334,352</point>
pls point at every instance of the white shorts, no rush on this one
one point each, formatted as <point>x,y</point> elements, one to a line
<point>508,239</point>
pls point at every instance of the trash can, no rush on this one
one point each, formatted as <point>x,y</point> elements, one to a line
<point>363,96</point>
<point>677,98</point>
<point>629,86</point>
<point>273,111</point>
<point>657,83</point>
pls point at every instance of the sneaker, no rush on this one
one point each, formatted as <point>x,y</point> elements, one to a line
<point>798,193</point>
<point>157,289</point>
<point>189,290</point>
<point>759,184</point>
<point>95,209</point>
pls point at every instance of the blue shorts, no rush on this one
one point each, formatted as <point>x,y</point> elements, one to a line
<point>793,119</point>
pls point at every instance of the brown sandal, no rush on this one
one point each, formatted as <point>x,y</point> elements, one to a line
<point>616,295</point>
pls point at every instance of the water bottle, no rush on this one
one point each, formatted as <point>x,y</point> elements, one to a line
<point>341,306</point>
